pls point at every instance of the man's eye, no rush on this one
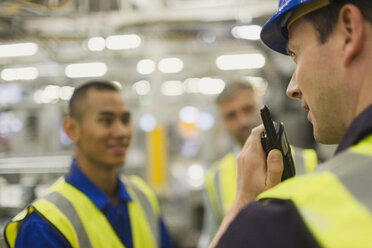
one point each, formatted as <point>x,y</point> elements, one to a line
<point>106,121</point>
<point>125,118</point>
<point>292,54</point>
<point>248,110</point>
<point>230,116</point>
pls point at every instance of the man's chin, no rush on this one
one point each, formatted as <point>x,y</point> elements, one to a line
<point>116,163</point>
<point>327,138</point>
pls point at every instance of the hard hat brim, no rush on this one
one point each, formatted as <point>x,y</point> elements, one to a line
<point>275,32</point>
<point>274,35</point>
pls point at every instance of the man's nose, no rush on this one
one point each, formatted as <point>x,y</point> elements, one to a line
<point>243,119</point>
<point>122,130</point>
<point>292,90</point>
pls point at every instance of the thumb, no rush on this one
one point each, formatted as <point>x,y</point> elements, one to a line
<point>274,168</point>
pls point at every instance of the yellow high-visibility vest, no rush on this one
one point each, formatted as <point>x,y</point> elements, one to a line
<point>220,182</point>
<point>335,201</point>
<point>83,225</point>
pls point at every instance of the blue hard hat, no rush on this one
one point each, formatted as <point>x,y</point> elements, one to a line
<point>275,32</point>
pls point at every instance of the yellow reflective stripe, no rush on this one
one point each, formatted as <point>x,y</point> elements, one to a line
<point>341,222</point>
<point>141,231</point>
<point>311,160</point>
<point>55,216</point>
<point>11,228</point>
<point>228,182</point>
<point>364,147</point>
<point>212,194</point>
<point>148,192</point>
<point>99,230</point>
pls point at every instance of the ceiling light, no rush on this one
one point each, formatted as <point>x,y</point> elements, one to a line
<point>192,85</point>
<point>170,65</point>
<point>119,42</point>
<point>24,73</point>
<point>95,69</point>
<point>142,87</point>
<point>172,88</point>
<point>51,92</point>
<point>66,92</point>
<point>20,49</point>
<point>211,86</point>
<point>240,61</point>
<point>248,32</point>
<point>96,44</point>
<point>146,66</point>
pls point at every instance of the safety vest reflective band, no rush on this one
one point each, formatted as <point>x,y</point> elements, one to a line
<point>335,201</point>
<point>221,179</point>
<point>82,224</point>
<point>305,160</point>
<point>220,185</point>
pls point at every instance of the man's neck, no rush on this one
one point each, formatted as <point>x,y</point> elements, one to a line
<point>103,177</point>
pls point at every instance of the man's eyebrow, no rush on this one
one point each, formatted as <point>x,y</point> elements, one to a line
<point>112,113</point>
<point>106,113</point>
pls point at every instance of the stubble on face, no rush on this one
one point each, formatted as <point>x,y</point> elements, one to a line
<point>241,115</point>
<point>318,78</point>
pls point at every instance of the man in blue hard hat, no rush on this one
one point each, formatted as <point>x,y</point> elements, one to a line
<point>331,43</point>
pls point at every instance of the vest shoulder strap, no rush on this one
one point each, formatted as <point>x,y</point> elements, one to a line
<point>145,203</point>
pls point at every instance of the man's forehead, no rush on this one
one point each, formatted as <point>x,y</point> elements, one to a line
<point>106,100</point>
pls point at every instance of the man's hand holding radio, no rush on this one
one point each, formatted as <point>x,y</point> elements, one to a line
<point>255,174</point>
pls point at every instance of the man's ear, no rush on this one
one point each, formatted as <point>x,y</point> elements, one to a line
<point>351,22</point>
<point>71,128</point>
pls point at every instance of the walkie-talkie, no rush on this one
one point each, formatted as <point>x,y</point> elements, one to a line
<point>274,137</point>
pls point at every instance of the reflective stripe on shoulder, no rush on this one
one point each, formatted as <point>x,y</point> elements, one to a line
<point>221,185</point>
<point>71,220</point>
<point>97,227</point>
<point>299,161</point>
<point>217,185</point>
<point>149,205</point>
<point>354,171</point>
<point>306,160</point>
<point>210,185</point>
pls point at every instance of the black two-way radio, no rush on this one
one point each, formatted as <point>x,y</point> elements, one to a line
<point>274,137</point>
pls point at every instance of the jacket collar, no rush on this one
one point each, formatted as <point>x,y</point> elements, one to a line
<point>77,178</point>
<point>359,129</point>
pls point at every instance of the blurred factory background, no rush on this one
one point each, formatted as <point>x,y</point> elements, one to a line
<point>172,57</point>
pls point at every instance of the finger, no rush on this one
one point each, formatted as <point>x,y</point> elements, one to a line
<point>254,137</point>
<point>274,168</point>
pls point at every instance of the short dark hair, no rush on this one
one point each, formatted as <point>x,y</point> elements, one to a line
<point>325,19</point>
<point>233,88</point>
<point>76,106</point>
